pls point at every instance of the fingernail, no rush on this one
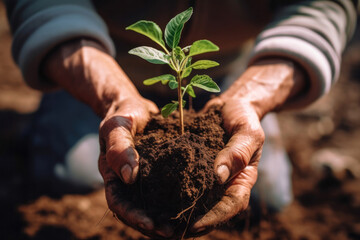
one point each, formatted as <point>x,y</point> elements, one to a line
<point>134,173</point>
<point>224,173</point>
<point>126,173</point>
<point>133,155</point>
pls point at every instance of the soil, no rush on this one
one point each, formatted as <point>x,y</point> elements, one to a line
<point>326,199</point>
<point>177,182</point>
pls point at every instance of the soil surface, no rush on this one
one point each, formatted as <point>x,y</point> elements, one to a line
<point>322,141</point>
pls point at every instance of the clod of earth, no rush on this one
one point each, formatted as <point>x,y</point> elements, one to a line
<point>177,183</point>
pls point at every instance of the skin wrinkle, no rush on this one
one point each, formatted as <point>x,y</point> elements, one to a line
<point>266,79</point>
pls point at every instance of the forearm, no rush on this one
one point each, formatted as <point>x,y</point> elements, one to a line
<point>267,85</point>
<point>39,26</point>
<point>83,68</point>
<point>313,34</point>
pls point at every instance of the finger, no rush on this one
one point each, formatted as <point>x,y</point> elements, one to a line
<point>121,155</point>
<point>213,102</point>
<point>236,199</point>
<point>123,209</point>
<point>151,106</point>
<point>242,148</point>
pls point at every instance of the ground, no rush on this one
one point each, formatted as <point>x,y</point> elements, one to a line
<point>323,142</point>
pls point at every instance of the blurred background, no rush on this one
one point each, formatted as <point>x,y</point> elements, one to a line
<point>323,142</point>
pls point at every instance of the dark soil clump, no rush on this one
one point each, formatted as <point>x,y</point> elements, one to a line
<point>176,181</point>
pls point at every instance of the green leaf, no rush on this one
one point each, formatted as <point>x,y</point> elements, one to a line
<point>204,64</point>
<point>190,91</point>
<point>202,46</point>
<point>188,64</point>
<point>173,84</point>
<point>163,78</point>
<point>150,54</point>
<point>175,26</point>
<point>150,30</point>
<point>184,102</point>
<point>168,109</point>
<point>186,72</point>
<point>178,53</point>
<point>204,82</point>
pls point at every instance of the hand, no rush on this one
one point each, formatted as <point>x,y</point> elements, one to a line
<point>119,161</point>
<point>92,76</point>
<point>263,87</point>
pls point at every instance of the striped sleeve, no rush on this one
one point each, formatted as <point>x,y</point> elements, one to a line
<point>39,26</point>
<point>314,35</point>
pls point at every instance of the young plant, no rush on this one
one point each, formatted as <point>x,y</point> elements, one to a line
<point>179,59</point>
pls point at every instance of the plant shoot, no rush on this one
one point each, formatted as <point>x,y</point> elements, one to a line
<point>179,59</point>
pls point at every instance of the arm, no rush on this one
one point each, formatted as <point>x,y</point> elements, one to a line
<point>87,72</point>
<point>313,34</point>
<point>65,44</point>
<point>39,26</point>
<point>293,63</point>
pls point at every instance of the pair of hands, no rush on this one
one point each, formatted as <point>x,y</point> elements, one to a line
<point>236,164</point>
<point>92,76</point>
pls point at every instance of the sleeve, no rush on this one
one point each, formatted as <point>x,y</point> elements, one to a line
<point>38,26</point>
<point>313,34</point>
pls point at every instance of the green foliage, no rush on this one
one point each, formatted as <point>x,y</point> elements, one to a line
<point>204,82</point>
<point>204,64</point>
<point>202,46</point>
<point>174,28</point>
<point>168,109</point>
<point>151,55</point>
<point>149,29</point>
<point>179,59</point>
<point>164,79</point>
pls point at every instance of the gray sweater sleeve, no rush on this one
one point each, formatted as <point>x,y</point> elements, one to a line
<point>38,26</point>
<point>313,34</point>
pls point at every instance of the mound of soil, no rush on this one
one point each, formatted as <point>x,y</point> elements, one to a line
<point>176,181</point>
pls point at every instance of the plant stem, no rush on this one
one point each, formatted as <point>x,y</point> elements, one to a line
<point>181,110</point>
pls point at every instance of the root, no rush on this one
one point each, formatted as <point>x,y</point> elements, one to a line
<point>116,217</point>
<point>187,223</point>
<point>103,217</point>
<point>188,208</point>
<point>182,213</point>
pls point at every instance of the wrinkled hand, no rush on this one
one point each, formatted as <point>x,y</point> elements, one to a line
<point>235,165</point>
<point>263,87</point>
<point>84,69</point>
<point>119,161</point>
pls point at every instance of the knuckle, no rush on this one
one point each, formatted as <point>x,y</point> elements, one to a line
<point>238,201</point>
<point>115,122</point>
<point>260,136</point>
<point>241,156</point>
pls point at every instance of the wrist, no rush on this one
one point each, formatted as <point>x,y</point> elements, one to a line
<point>267,85</point>
<point>86,71</point>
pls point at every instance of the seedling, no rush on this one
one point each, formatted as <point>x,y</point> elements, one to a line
<point>179,59</point>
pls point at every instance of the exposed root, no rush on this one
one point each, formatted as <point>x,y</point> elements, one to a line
<point>182,213</point>
<point>116,217</point>
<point>103,217</point>
<point>188,208</point>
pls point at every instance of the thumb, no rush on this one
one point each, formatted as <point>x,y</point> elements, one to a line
<point>243,147</point>
<point>117,145</point>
